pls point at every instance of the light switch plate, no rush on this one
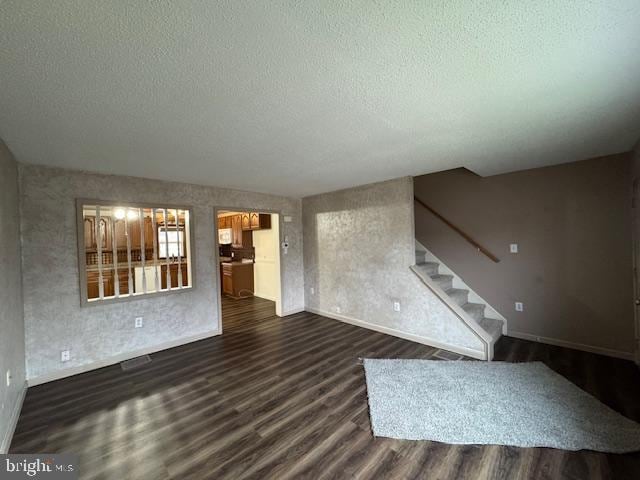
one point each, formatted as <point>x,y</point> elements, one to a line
<point>519,307</point>
<point>396,306</point>
<point>138,323</point>
<point>8,378</point>
<point>513,248</point>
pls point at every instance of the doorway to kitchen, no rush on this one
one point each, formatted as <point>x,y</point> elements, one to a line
<point>249,269</point>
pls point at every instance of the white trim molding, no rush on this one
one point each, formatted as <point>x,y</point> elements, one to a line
<point>293,312</point>
<point>68,372</point>
<point>576,346</point>
<point>266,297</point>
<point>13,421</point>
<point>469,352</point>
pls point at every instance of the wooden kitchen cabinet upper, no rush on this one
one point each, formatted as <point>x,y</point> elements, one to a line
<point>224,222</point>
<point>256,221</point>
<point>236,233</point>
<point>246,221</point>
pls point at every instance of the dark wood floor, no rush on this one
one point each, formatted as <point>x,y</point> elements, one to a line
<point>285,398</point>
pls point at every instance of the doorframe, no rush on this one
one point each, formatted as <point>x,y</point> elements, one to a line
<point>217,209</point>
<point>635,248</point>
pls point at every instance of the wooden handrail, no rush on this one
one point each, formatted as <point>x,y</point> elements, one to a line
<point>478,247</point>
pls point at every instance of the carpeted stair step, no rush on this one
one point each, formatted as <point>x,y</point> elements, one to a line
<point>444,281</point>
<point>474,310</point>
<point>420,256</point>
<point>428,268</point>
<point>492,326</point>
<point>458,295</point>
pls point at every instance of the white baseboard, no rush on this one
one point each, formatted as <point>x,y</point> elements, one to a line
<point>13,421</point>
<point>469,352</point>
<point>293,312</point>
<point>266,297</point>
<point>576,346</point>
<point>68,372</point>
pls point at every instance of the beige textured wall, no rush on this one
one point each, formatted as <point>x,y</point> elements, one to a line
<point>54,319</point>
<point>358,247</point>
<point>572,224</point>
<point>11,310</point>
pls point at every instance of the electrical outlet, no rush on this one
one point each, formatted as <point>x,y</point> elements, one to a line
<point>513,248</point>
<point>65,355</point>
<point>312,290</point>
<point>519,307</point>
<point>8,378</point>
<point>138,322</point>
<point>396,306</point>
<point>338,310</point>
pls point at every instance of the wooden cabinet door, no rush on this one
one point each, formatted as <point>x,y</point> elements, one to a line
<point>148,234</point>
<point>254,220</point>
<point>246,221</point>
<point>259,221</point>
<point>89,233</point>
<point>93,284</point>
<point>121,236</point>
<point>236,225</point>
<point>134,233</point>
<point>105,234</point>
<point>264,221</point>
<point>227,283</point>
<point>123,281</point>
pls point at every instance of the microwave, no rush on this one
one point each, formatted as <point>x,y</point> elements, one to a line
<point>225,236</point>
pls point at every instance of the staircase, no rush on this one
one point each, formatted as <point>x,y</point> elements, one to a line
<point>480,317</point>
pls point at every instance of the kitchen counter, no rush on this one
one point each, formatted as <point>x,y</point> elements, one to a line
<point>236,263</point>
<point>236,278</point>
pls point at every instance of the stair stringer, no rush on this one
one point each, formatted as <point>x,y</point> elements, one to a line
<point>490,312</point>
<point>477,330</point>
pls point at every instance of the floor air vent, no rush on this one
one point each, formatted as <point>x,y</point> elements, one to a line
<point>135,363</point>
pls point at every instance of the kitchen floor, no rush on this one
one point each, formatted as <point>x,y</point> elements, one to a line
<point>238,311</point>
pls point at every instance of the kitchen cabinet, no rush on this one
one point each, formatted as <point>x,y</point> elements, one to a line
<point>237,279</point>
<point>135,233</point>
<point>246,221</point>
<point>236,231</point>
<point>173,274</point>
<point>256,221</point>
<point>224,222</point>
<point>91,233</point>
<point>108,282</point>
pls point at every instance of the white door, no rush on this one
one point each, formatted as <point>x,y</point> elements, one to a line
<point>636,261</point>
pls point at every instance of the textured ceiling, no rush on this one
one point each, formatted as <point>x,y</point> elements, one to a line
<point>304,97</point>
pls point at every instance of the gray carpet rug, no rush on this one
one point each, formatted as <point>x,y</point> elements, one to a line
<point>465,402</point>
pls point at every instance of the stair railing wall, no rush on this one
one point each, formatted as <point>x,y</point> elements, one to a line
<point>459,231</point>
